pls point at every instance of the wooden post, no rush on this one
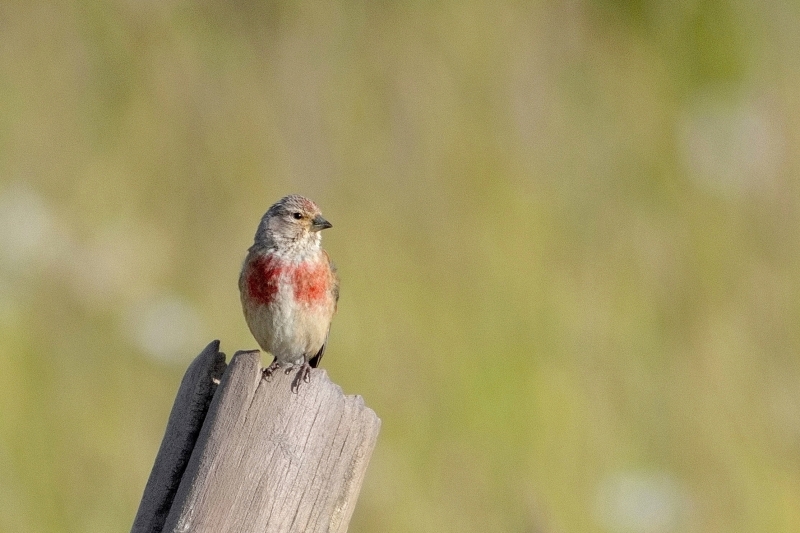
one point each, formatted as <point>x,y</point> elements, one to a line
<point>265,459</point>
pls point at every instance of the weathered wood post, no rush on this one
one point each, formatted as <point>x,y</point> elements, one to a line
<point>241,454</point>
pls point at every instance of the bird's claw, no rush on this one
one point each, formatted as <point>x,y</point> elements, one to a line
<point>304,374</point>
<point>266,374</point>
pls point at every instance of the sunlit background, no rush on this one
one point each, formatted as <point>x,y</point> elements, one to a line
<point>567,234</point>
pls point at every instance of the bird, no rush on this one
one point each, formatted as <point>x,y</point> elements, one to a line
<point>289,287</point>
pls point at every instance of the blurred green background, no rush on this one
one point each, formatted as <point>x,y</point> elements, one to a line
<point>566,232</point>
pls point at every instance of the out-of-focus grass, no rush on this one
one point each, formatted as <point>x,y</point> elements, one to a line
<point>567,234</point>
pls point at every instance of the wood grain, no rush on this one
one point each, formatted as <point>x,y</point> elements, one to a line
<point>267,459</point>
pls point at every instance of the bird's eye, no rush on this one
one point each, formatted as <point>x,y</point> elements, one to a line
<point>297,216</point>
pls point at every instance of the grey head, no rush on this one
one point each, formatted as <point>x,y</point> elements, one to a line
<point>292,223</point>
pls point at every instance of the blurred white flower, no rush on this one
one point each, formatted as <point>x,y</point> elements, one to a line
<point>640,502</point>
<point>166,328</point>
<point>731,147</point>
<point>28,230</point>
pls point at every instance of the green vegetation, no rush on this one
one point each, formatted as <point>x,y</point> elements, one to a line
<point>567,234</point>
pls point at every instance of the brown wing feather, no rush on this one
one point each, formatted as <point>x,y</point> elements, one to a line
<point>334,280</point>
<point>314,361</point>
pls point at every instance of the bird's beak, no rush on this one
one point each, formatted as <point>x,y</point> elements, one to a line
<point>319,224</point>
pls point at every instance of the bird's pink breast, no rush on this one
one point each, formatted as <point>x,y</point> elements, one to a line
<point>263,278</point>
<point>310,280</point>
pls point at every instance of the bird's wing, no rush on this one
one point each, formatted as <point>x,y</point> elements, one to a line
<point>334,289</point>
<point>314,361</point>
<point>334,281</point>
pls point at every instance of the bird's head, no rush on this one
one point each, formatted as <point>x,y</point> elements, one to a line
<point>293,223</point>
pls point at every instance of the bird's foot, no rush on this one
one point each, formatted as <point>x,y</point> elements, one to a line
<point>267,372</point>
<point>304,374</point>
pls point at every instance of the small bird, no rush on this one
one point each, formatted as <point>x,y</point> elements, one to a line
<point>289,287</point>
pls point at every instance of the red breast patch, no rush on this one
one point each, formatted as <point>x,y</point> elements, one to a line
<point>263,279</point>
<point>310,281</point>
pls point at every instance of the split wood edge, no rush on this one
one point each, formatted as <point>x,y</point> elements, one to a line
<point>250,455</point>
